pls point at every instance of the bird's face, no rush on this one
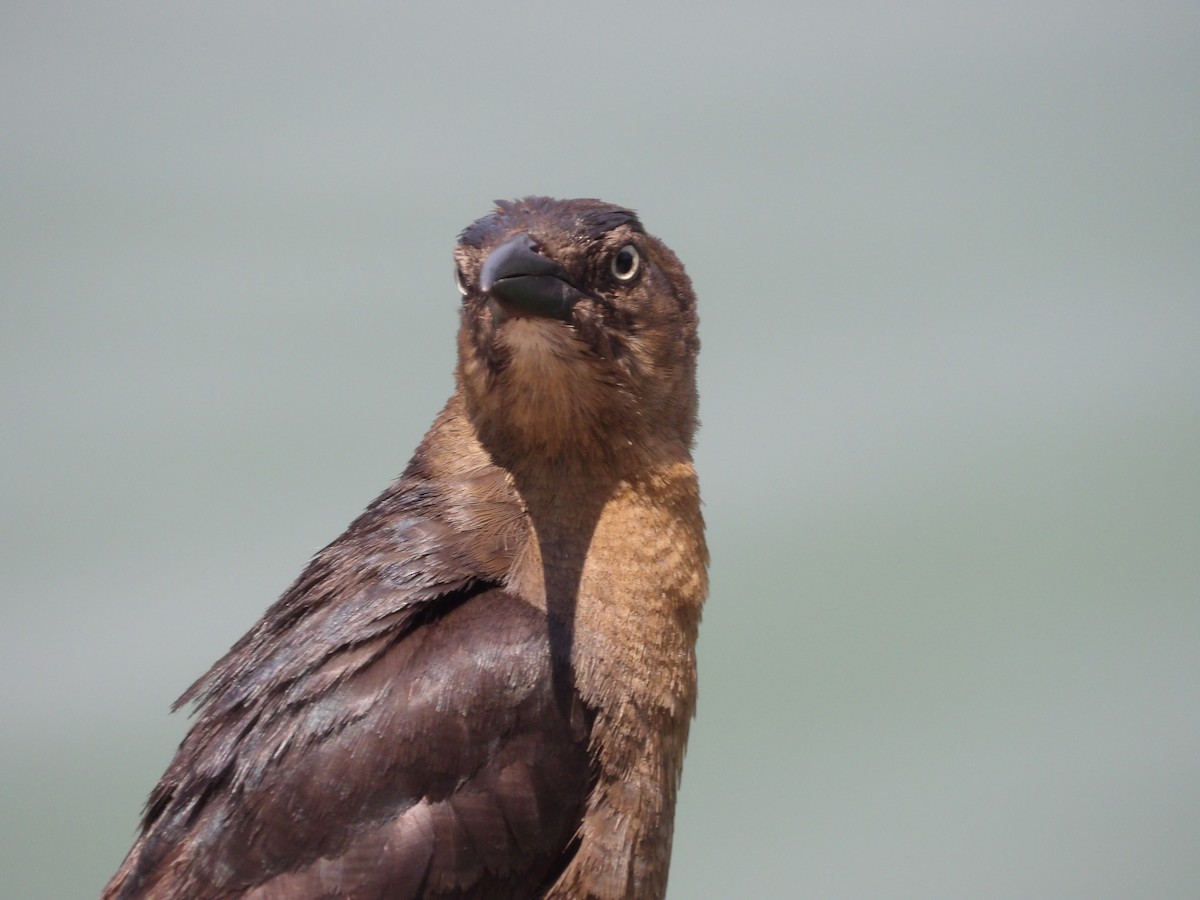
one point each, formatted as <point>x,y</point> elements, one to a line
<point>576,324</point>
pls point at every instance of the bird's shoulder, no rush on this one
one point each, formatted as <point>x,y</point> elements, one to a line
<point>308,765</point>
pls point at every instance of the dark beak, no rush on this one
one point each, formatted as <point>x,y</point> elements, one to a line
<point>522,281</point>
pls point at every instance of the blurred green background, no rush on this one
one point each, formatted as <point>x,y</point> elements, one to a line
<point>948,258</point>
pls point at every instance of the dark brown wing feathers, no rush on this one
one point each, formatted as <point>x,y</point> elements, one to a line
<point>311,752</point>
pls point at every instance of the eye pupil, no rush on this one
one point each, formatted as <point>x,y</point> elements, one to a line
<point>626,262</point>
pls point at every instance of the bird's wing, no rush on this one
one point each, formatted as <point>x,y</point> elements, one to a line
<point>393,727</point>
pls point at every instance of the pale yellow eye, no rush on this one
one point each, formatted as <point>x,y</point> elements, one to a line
<point>625,263</point>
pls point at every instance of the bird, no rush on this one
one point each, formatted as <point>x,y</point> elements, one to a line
<point>483,688</point>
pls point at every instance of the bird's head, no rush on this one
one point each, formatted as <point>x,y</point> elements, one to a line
<point>578,333</point>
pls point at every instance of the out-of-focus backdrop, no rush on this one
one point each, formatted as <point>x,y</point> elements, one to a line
<point>948,256</point>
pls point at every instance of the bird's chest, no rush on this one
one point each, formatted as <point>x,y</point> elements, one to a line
<point>625,581</point>
<point>622,580</point>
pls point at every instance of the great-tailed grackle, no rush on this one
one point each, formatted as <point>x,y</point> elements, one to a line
<point>483,688</point>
